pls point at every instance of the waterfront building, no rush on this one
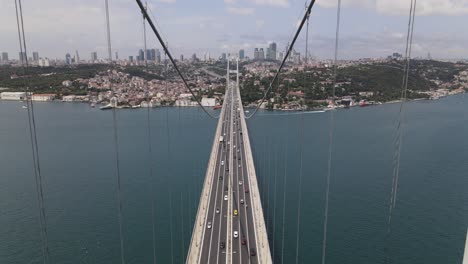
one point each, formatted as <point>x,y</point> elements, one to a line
<point>13,96</point>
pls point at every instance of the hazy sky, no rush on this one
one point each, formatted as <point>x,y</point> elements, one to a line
<point>370,28</point>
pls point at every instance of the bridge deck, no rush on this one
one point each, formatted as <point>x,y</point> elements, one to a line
<point>230,173</point>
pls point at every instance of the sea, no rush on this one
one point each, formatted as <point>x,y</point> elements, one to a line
<point>163,154</point>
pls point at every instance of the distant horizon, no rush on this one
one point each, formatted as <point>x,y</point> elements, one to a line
<point>369,28</point>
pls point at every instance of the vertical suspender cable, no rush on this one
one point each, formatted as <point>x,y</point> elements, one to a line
<point>399,128</point>
<point>330,136</point>
<point>33,134</point>
<point>150,150</point>
<point>284,192</point>
<point>301,152</point>
<point>169,160</point>
<point>116,139</point>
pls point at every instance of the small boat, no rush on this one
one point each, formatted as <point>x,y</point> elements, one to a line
<point>106,107</point>
<point>24,107</point>
<point>217,107</point>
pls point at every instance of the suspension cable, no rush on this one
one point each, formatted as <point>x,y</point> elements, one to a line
<point>116,138</point>
<point>150,150</point>
<point>284,193</point>
<point>301,152</point>
<point>166,50</point>
<point>400,122</point>
<point>32,133</point>
<point>307,12</point>
<point>330,136</point>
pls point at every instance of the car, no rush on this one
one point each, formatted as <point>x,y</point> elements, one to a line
<point>239,165</point>
<point>220,177</point>
<point>222,245</point>
<point>222,163</point>
<point>240,182</point>
<point>236,234</point>
<point>244,241</point>
<point>242,201</point>
<point>225,197</point>
<point>234,146</point>
<point>253,252</point>
<point>246,190</point>
<point>235,212</point>
<point>217,210</point>
<point>238,158</point>
<point>209,225</point>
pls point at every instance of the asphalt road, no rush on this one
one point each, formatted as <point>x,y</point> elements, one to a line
<point>231,179</point>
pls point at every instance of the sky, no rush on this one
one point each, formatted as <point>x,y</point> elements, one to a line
<point>369,28</point>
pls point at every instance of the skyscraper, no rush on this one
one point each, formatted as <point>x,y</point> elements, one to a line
<point>36,56</point>
<point>223,57</point>
<point>261,54</point>
<point>94,56</point>
<point>141,55</point>
<point>77,57</point>
<point>158,56</point>
<point>116,55</point>
<point>256,54</point>
<point>130,58</point>
<point>153,54</point>
<point>181,57</point>
<point>241,54</point>
<point>22,56</point>
<point>4,56</point>
<point>68,59</point>
<point>272,53</point>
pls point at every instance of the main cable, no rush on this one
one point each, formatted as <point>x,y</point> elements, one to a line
<point>330,136</point>
<point>306,15</point>
<point>166,50</point>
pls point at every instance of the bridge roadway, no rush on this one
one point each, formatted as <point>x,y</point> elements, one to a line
<point>227,205</point>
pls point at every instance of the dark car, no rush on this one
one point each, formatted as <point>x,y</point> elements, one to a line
<point>246,190</point>
<point>244,241</point>
<point>253,252</point>
<point>223,245</point>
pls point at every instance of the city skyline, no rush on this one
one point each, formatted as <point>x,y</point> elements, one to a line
<point>226,26</point>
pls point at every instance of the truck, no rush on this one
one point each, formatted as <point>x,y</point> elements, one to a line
<point>221,139</point>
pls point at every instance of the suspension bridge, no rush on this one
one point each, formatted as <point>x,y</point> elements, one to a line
<point>229,226</point>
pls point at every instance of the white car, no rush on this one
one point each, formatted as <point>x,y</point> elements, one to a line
<point>236,234</point>
<point>225,197</point>
<point>209,225</point>
<point>242,201</point>
<point>240,182</point>
<point>222,163</point>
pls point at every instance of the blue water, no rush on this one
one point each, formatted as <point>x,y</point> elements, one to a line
<point>77,157</point>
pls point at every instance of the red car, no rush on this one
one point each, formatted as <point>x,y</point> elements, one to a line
<point>244,241</point>
<point>246,190</point>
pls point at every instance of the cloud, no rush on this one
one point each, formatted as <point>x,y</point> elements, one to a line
<point>423,8</point>
<point>243,11</point>
<point>401,7</point>
<point>230,2</point>
<point>259,23</point>
<point>278,3</point>
<point>166,1</point>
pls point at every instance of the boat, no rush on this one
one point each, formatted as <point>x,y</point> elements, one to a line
<point>106,107</point>
<point>24,107</point>
<point>216,107</point>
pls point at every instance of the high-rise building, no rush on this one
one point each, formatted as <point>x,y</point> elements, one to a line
<point>4,56</point>
<point>22,56</point>
<point>94,56</point>
<point>261,54</point>
<point>241,54</point>
<point>181,57</point>
<point>116,55</point>
<point>223,57</point>
<point>153,54</point>
<point>158,56</point>
<point>272,51</point>
<point>194,57</point>
<point>68,59</point>
<point>256,54</point>
<point>141,55</point>
<point>130,58</point>
<point>36,56</point>
<point>77,57</point>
